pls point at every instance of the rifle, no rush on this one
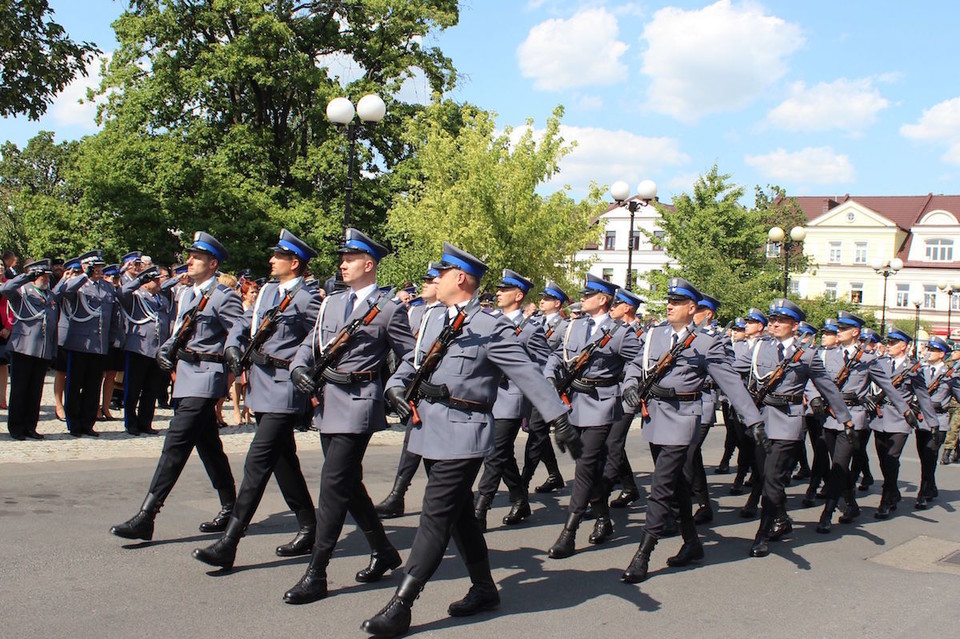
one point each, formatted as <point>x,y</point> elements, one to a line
<point>432,359</point>
<point>947,374</point>
<point>844,372</point>
<point>897,381</point>
<point>267,327</point>
<point>188,325</point>
<point>774,379</point>
<point>526,319</point>
<point>664,365</point>
<point>335,348</point>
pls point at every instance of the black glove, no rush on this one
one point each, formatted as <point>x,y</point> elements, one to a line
<point>760,437</point>
<point>394,395</point>
<point>88,270</point>
<point>851,434</point>
<point>147,277</point>
<point>631,396</point>
<point>300,376</point>
<point>911,418</point>
<point>566,436</point>
<point>165,360</point>
<point>233,357</point>
<point>818,407</point>
<point>32,275</point>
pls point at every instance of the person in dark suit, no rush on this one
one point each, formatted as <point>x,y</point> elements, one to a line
<point>456,432</point>
<point>201,381</point>
<point>351,410</point>
<point>275,401</point>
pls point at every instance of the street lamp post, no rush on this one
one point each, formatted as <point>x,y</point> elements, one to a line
<point>646,193</point>
<point>950,290</point>
<point>778,236</point>
<point>916,326</point>
<point>886,269</point>
<point>370,109</point>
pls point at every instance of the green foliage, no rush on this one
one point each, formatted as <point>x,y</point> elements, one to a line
<point>820,308</point>
<point>37,58</point>
<point>477,190</point>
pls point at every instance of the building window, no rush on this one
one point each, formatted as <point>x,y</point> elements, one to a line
<point>954,303</point>
<point>610,241</point>
<point>856,292</point>
<point>773,249</point>
<point>608,274</point>
<point>658,236</point>
<point>860,255</point>
<point>795,287</point>
<point>830,291</point>
<point>903,295</point>
<point>929,296</point>
<point>939,251</point>
<point>834,257</point>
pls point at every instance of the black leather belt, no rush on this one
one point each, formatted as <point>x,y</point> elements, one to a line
<point>342,378</point>
<point>262,359</point>
<point>783,399</point>
<point>587,384</point>
<point>440,394</point>
<point>193,357</point>
<point>661,392</point>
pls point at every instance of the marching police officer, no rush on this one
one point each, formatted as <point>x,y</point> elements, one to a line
<point>351,409</point>
<point>209,310</point>
<point>737,332</point>
<point>755,323</point>
<point>942,385</point>
<point>456,433</point>
<point>707,309</point>
<point>32,344</point>
<point>275,401</point>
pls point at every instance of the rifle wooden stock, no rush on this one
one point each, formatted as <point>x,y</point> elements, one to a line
<point>188,326</point>
<point>664,364</point>
<point>573,372</point>
<point>267,326</point>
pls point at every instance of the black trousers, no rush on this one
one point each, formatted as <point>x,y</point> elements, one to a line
<point>696,472</point>
<point>26,390</point>
<point>142,378</point>
<point>539,448</point>
<point>82,397</point>
<point>746,445</point>
<point>617,466</point>
<point>775,468</point>
<point>274,449</point>
<point>840,479</point>
<point>928,447</point>
<point>194,424</point>
<point>861,458</point>
<point>447,511</point>
<point>502,463</point>
<point>588,476</point>
<point>889,446</point>
<point>669,487</point>
<point>342,491</point>
<point>731,439</point>
<point>409,462</point>
<point>820,467</point>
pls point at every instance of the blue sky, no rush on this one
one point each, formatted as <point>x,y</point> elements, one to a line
<point>818,97</point>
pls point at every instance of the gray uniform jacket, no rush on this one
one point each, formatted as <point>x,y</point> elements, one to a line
<point>511,403</point>
<point>913,386</point>
<point>146,317</point>
<point>675,423</point>
<point>554,328</point>
<point>271,390</point>
<point>940,397</point>
<point>415,316</point>
<point>35,315</point>
<point>203,378</point>
<point>786,421</point>
<point>356,407</point>
<point>600,405</point>
<point>89,314</point>
<point>471,369</point>
<point>862,373</point>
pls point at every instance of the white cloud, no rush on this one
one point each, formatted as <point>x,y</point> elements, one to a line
<point>682,183</point>
<point>718,58</point>
<point>818,165</point>
<point>850,105</point>
<point>589,103</point>
<point>580,51</point>
<point>939,124</point>
<point>71,108</point>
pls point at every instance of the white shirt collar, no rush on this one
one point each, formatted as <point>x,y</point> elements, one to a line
<point>200,289</point>
<point>364,293</point>
<point>289,285</point>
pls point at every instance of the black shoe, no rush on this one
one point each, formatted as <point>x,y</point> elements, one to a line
<point>851,512</point>
<point>480,597</point>
<point>18,437</point>
<point>301,545</point>
<point>639,565</point>
<point>748,512</point>
<point>149,431</point>
<point>554,482</point>
<point>809,498</point>
<point>737,488</point>
<point>218,523</point>
<point>133,431</point>
<point>91,432</point>
<point>34,435</point>
<point>690,552</point>
<point>381,561</point>
<point>759,547</point>
<point>566,543</point>
<point>704,515</point>
<point>394,619</point>
<point>781,526</point>
<point>311,587</point>
<point>518,512</point>
<point>391,507</point>
<point>921,502</point>
<point>224,551</point>
<point>824,526</point>
<point>140,526</point>
<point>602,530</point>
<point>722,469</point>
<point>803,473</point>
<point>624,499</point>
<point>865,484</point>
<point>884,509</point>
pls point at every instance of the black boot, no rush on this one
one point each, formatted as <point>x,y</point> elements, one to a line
<point>781,525</point>
<point>851,511</point>
<point>760,547</point>
<point>140,526</point>
<point>519,511</point>
<point>554,482</point>
<point>637,570</point>
<point>603,527</point>
<point>302,544</point>
<point>691,550</point>
<point>724,466</point>
<point>809,497</point>
<point>885,507</point>
<point>228,497</point>
<point>566,543</point>
<point>625,498</point>
<point>480,511</point>
<point>482,595</point>
<point>394,619</point>
<point>313,584</point>
<point>223,552</point>
<point>704,515</point>
<point>825,524</point>
<point>383,556</point>
<point>392,506</point>
<point>737,487</point>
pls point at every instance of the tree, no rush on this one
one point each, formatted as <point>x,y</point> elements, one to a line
<point>37,58</point>
<point>478,190</point>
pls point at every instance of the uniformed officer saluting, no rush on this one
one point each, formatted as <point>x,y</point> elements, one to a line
<point>32,345</point>
<point>455,435</point>
<point>351,410</point>
<point>275,402</point>
<point>201,381</point>
<point>673,419</point>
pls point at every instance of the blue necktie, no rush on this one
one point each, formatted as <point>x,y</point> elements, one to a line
<point>589,324</point>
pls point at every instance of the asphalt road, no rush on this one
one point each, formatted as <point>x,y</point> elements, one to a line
<point>63,575</point>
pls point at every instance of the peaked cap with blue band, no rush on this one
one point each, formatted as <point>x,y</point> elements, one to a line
<point>111,271</point>
<point>37,265</point>
<point>72,263</point>
<point>554,290</point>
<point>132,256</point>
<point>293,245</point>
<point>355,241</point>
<point>869,335</point>
<point>707,301</point>
<point>755,315</point>
<point>899,335</point>
<point>785,308</point>
<point>454,257</point>
<point>680,288</point>
<point>180,269</point>
<point>206,243</point>
<point>939,343</point>
<point>845,318</point>
<point>512,279</point>
<point>830,325</point>
<point>596,284</point>
<point>628,297</point>
<point>739,323</point>
<point>92,257</point>
<point>807,328</point>
<point>433,271</point>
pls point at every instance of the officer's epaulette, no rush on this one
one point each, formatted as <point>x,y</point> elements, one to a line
<point>490,311</point>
